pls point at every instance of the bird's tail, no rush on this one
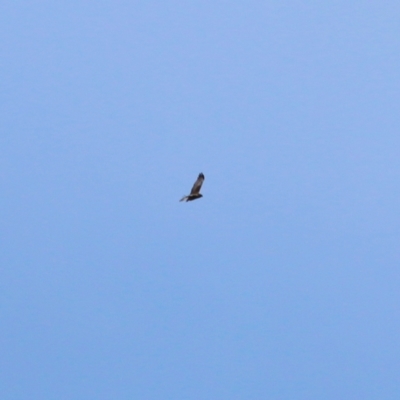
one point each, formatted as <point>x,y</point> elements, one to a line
<point>184,198</point>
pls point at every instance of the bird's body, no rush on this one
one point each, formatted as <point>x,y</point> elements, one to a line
<point>195,192</point>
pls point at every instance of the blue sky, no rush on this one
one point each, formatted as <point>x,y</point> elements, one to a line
<point>282,282</point>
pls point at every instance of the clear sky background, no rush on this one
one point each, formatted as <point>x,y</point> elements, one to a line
<point>282,282</point>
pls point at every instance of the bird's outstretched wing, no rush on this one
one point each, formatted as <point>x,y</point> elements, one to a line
<point>197,185</point>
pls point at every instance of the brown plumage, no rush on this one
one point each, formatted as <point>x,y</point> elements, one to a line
<point>195,192</point>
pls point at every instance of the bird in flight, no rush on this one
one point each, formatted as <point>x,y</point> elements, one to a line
<point>195,192</point>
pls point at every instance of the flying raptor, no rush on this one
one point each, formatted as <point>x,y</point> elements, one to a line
<point>195,192</point>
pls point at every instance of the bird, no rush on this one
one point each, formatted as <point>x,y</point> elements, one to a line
<point>195,192</point>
